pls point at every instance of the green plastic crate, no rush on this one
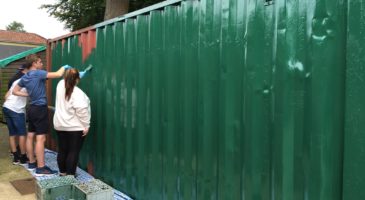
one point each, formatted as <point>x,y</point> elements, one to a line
<point>59,188</point>
<point>93,190</point>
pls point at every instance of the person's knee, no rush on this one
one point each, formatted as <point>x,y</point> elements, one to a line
<point>41,138</point>
<point>30,137</point>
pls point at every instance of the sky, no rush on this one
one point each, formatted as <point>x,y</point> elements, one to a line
<point>35,20</point>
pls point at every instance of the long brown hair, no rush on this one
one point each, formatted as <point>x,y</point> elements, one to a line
<point>71,78</point>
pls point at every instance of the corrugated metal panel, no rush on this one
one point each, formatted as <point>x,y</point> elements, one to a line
<point>8,49</point>
<point>354,156</point>
<point>223,99</point>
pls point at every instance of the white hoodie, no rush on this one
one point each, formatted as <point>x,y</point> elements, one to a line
<point>72,115</point>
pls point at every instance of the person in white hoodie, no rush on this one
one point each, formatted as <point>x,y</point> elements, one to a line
<point>71,121</point>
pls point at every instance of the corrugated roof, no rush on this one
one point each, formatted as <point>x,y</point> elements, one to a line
<point>18,56</point>
<point>9,50</point>
<point>18,37</point>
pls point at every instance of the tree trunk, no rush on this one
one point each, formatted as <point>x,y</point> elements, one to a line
<point>115,8</point>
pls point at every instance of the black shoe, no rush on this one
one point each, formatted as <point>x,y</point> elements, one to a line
<point>15,158</point>
<point>23,159</point>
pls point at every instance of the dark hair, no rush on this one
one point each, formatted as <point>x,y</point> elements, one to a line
<point>71,78</point>
<point>24,66</point>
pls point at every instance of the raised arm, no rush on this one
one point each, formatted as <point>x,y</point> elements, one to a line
<point>58,73</point>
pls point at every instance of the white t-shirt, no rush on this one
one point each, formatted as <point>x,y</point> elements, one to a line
<point>16,103</point>
<point>74,114</point>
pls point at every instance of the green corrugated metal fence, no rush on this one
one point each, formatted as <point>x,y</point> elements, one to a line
<point>226,99</point>
<point>354,137</point>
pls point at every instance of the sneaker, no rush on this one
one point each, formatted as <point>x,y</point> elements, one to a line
<point>44,171</point>
<point>23,159</point>
<point>32,166</point>
<point>15,158</point>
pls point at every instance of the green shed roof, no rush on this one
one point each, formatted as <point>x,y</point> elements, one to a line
<point>18,56</point>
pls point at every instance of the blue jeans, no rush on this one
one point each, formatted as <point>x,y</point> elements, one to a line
<point>15,122</point>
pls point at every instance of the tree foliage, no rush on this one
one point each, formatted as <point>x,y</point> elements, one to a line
<point>15,26</point>
<point>78,14</point>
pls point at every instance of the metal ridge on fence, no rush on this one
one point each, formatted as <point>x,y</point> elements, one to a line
<point>121,18</point>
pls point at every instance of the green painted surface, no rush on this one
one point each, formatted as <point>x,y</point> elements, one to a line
<point>227,99</point>
<point>354,154</point>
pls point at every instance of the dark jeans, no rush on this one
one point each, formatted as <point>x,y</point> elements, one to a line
<point>69,146</point>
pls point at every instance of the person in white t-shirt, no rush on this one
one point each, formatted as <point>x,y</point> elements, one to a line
<point>71,121</point>
<point>14,112</point>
